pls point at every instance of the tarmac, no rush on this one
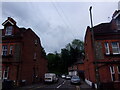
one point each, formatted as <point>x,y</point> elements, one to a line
<point>83,86</point>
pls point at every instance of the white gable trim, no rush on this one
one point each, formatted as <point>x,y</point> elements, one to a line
<point>116,16</point>
<point>7,22</point>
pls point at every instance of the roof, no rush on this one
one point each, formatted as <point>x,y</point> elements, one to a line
<point>79,62</point>
<point>18,32</point>
<point>104,28</point>
<point>109,27</point>
<point>116,14</point>
<point>10,20</point>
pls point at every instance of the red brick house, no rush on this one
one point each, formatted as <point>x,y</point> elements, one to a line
<point>106,53</point>
<point>22,58</point>
<point>77,69</point>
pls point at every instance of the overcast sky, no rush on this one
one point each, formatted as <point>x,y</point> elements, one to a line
<point>57,23</point>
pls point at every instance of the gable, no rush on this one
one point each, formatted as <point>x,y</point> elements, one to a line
<point>10,21</point>
<point>7,21</point>
<point>116,14</point>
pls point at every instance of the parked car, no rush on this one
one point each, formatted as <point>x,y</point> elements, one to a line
<point>75,80</point>
<point>68,77</point>
<point>50,77</point>
<point>63,76</point>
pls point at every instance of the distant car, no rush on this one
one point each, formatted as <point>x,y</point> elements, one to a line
<point>75,80</point>
<point>63,76</point>
<point>68,77</point>
<point>50,77</point>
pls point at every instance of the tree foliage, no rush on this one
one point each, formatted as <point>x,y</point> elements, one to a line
<point>59,63</point>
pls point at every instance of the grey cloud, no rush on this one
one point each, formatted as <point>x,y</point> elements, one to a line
<point>56,28</point>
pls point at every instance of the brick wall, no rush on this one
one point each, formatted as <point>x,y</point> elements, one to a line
<point>26,62</point>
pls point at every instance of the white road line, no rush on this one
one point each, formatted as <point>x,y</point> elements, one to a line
<point>64,82</point>
<point>60,85</point>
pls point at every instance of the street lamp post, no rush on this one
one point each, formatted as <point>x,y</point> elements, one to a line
<point>94,52</point>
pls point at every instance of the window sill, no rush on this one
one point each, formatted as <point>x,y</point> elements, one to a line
<point>107,53</point>
<point>111,54</point>
<point>116,81</point>
<point>116,53</point>
<point>7,55</point>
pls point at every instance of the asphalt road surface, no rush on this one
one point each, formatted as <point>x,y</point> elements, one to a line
<point>62,84</point>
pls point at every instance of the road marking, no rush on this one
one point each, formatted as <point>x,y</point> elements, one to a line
<point>77,87</point>
<point>64,82</point>
<point>60,85</point>
<point>37,87</point>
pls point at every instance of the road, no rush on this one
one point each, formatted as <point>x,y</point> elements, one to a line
<point>62,84</point>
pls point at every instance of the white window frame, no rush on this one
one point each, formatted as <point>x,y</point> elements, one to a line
<point>6,70</point>
<point>36,42</point>
<point>11,50</point>
<point>116,48</point>
<point>112,72</point>
<point>9,30</point>
<point>118,24</point>
<point>107,48</point>
<point>118,69</point>
<point>4,50</point>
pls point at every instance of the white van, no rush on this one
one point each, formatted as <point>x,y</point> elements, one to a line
<point>50,77</point>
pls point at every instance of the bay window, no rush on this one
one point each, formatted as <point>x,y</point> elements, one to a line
<point>4,50</point>
<point>107,50</point>
<point>5,73</point>
<point>118,23</point>
<point>115,48</point>
<point>112,71</point>
<point>11,50</point>
<point>8,30</point>
<point>118,67</point>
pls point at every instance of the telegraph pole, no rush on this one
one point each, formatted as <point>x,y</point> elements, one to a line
<point>94,52</point>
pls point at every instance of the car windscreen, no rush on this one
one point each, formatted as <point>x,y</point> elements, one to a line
<point>75,77</point>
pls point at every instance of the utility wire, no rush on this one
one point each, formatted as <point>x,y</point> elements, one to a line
<point>67,19</point>
<point>66,24</point>
<point>64,15</point>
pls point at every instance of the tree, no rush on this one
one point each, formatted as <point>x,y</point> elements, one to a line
<point>65,57</point>
<point>76,44</point>
<point>59,63</point>
<point>76,49</point>
<point>72,52</point>
<point>54,63</point>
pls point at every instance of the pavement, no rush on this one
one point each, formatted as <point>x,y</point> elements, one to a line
<point>29,86</point>
<point>85,86</point>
